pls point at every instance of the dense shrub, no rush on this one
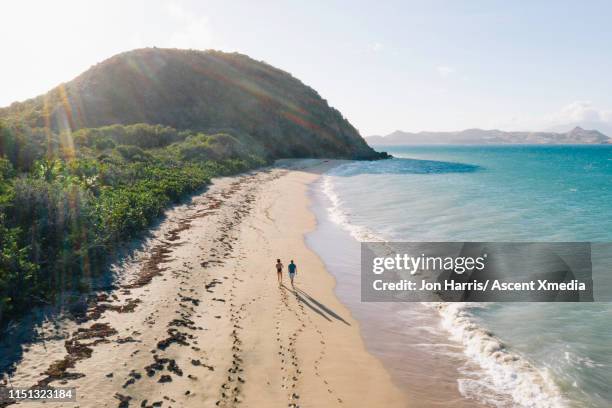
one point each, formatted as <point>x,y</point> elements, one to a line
<point>17,273</point>
<point>63,214</point>
<point>132,153</point>
<point>22,146</point>
<point>140,134</point>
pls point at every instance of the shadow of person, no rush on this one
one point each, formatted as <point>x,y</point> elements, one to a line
<point>321,306</point>
<point>301,299</point>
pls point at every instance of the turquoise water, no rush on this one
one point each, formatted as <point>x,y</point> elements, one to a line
<point>536,355</point>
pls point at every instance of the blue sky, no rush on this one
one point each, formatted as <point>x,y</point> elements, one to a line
<point>426,65</point>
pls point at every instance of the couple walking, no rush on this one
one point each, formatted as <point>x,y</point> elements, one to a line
<point>292,268</point>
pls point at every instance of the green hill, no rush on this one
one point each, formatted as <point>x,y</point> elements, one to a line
<point>199,91</point>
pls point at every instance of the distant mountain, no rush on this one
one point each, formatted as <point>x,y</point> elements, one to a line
<point>203,91</point>
<point>602,126</point>
<point>480,136</point>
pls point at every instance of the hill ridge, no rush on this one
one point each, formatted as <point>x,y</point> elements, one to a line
<point>199,91</point>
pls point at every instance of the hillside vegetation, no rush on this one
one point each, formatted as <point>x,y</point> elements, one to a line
<point>195,90</point>
<point>92,163</point>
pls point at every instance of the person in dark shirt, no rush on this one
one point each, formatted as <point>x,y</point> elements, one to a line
<point>292,271</point>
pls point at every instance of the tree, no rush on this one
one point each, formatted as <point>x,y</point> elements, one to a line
<point>16,271</point>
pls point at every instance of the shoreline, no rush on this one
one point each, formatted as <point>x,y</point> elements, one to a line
<point>471,353</point>
<point>199,320</point>
<point>418,357</point>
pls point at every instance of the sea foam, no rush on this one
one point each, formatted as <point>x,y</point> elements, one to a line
<point>340,215</point>
<point>502,370</point>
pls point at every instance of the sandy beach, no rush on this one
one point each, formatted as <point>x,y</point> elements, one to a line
<point>197,318</point>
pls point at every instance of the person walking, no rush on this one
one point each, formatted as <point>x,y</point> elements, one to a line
<point>292,271</point>
<point>279,271</point>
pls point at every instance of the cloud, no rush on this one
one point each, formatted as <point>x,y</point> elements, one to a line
<point>177,11</point>
<point>194,30</point>
<point>580,111</point>
<point>445,71</point>
<point>376,47</point>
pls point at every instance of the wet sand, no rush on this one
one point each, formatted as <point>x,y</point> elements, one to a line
<point>408,338</point>
<point>198,318</point>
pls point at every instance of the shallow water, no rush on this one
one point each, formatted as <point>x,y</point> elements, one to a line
<point>510,354</point>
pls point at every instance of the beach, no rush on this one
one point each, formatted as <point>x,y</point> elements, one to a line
<point>196,316</point>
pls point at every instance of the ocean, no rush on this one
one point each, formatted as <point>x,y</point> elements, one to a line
<point>486,354</point>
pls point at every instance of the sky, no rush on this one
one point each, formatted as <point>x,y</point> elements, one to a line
<point>386,65</point>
